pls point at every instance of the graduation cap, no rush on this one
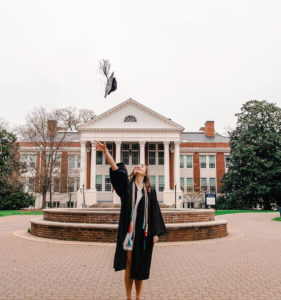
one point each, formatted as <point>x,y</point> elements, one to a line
<point>111,82</point>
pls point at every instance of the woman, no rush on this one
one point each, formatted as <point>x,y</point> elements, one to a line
<point>140,223</point>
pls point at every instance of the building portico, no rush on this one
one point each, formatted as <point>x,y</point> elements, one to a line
<point>132,139</point>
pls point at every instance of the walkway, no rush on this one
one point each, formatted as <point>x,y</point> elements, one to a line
<point>244,265</point>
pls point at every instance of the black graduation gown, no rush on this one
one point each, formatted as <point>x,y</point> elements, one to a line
<point>141,259</point>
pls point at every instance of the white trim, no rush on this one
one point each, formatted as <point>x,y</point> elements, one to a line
<point>125,103</point>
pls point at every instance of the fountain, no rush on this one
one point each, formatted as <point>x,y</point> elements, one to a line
<point>100,224</point>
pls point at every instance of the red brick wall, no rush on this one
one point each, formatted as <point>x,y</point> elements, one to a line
<point>210,128</point>
<point>196,171</point>
<point>175,234</point>
<point>113,218</point>
<point>220,168</point>
<point>65,144</point>
<point>202,145</point>
<point>64,171</point>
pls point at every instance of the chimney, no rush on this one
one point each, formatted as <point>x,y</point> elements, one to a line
<point>52,128</point>
<point>210,128</point>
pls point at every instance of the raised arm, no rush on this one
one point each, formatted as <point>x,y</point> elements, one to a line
<point>118,172</point>
<point>102,147</point>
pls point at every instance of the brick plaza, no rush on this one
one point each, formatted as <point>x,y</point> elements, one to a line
<point>244,265</point>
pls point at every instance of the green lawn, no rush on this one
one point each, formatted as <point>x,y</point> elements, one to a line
<point>217,212</point>
<point>4,213</point>
<point>234,211</point>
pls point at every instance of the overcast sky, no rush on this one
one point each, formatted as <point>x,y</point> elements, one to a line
<point>191,61</point>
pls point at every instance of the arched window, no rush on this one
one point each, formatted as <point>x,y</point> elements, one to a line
<point>130,118</point>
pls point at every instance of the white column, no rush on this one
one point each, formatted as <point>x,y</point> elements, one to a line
<point>177,164</point>
<point>116,198</point>
<point>83,164</point>
<point>142,155</point>
<point>118,151</point>
<point>166,166</point>
<point>93,169</point>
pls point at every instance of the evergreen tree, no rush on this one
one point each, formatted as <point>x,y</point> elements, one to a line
<point>254,174</point>
<point>12,195</point>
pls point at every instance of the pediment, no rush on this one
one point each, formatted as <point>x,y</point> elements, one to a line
<point>131,114</point>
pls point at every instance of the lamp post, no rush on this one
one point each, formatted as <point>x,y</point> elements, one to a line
<point>175,195</point>
<point>83,191</point>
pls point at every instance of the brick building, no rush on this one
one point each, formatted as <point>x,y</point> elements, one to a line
<point>134,134</point>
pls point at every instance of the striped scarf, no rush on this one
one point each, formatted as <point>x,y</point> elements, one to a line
<point>145,217</point>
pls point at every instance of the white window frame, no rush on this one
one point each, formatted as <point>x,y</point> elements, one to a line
<point>209,164</point>
<point>76,161</point>
<point>188,155</point>
<point>99,176</point>
<point>187,186</point>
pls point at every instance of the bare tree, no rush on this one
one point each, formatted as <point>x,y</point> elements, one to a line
<point>73,119</point>
<point>47,130</point>
<point>227,130</point>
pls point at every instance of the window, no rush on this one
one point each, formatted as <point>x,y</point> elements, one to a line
<point>151,158</point>
<point>160,154</point>
<point>73,161</point>
<point>188,161</point>
<point>135,154</point>
<point>161,158</point>
<point>151,154</point>
<point>135,158</point>
<point>212,161</point>
<point>125,153</point>
<point>70,204</point>
<point>31,183</point>
<point>189,185</point>
<point>29,159</point>
<point>99,157</point>
<point>107,183</point>
<point>109,146</point>
<point>24,158</point>
<point>73,184</point>
<point>56,204</point>
<point>227,161</point>
<point>161,183</point>
<point>130,118</point>
<point>56,184</point>
<point>99,183</point>
<point>182,183</point>
<point>202,161</point>
<point>58,160</point>
<point>32,160</point>
<point>203,184</point>
<point>181,161</point>
<point>212,185</point>
<point>125,157</point>
<point>152,180</point>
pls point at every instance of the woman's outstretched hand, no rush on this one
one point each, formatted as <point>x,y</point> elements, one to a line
<point>100,146</point>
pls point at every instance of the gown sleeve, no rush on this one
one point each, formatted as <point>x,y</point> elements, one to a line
<point>159,227</point>
<point>119,179</point>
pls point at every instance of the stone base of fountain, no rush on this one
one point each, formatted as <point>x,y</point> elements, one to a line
<point>100,224</point>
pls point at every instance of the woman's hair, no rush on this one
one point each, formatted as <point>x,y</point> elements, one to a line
<point>146,179</point>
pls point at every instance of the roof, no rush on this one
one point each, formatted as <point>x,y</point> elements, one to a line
<point>201,137</point>
<point>72,136</point>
